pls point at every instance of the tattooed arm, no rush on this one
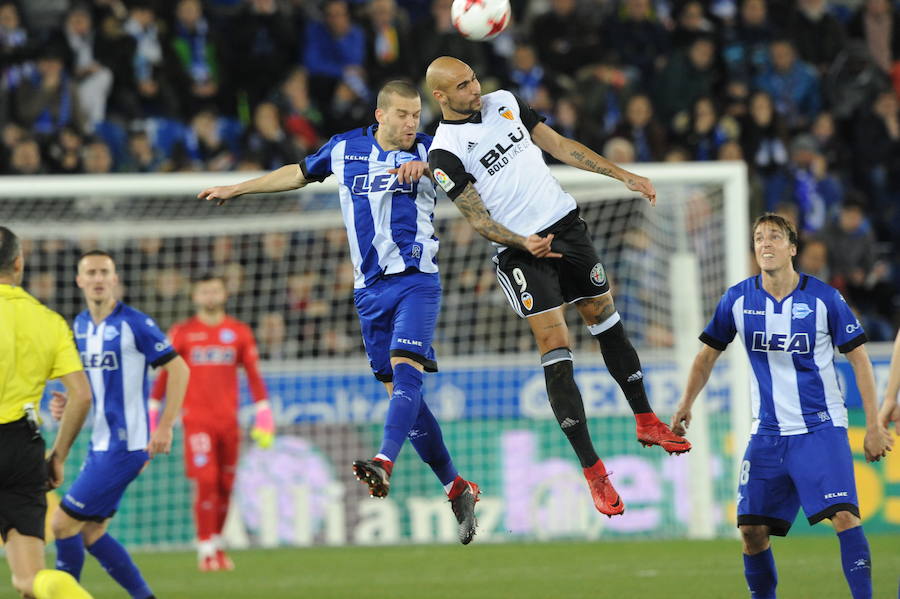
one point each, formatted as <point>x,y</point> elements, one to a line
<point>580,156</point>
<point>472,207</point>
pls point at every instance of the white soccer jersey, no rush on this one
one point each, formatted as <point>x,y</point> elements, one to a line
<point>794,388</point>
<point>493,149</point>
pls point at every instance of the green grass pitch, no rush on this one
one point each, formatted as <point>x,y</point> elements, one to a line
<point>809,567</point>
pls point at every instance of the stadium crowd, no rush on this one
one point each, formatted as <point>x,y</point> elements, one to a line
<point>806,92</point>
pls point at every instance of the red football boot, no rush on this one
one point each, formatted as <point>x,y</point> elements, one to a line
<point>606,499</point>
<point>651,431</point>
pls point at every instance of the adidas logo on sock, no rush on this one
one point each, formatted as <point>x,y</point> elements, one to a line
<point>635,377</point>
<point>568,422</point>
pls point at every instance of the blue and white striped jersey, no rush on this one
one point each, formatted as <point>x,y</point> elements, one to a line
<point>116,355</point>
<point>388,224</point>
<point>794,388</point>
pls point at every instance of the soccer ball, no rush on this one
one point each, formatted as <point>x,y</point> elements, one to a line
<point>480,19</point>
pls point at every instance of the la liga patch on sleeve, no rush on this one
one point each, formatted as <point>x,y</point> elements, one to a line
<point>443,180</point>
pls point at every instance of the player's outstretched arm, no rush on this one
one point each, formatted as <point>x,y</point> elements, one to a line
<point>472,207</point>
<point>697,378</point>
<point>76,405</point>
<point>285,178</point>
<point>580,156</point>
<point>890,409</point>
<point>878,440</point>
<point>178,373</point>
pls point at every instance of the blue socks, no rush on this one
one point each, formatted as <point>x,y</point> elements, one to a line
<point>428,442</point>
<point>762,578</point>
<point>117,563</point>
<point>857,562</point>
<point>403,410</point>
<point>70,555</point>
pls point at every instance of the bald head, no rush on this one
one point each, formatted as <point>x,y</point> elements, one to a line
<point>444,70</point>
<point>455,87</point>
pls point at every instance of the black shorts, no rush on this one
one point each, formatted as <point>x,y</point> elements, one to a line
<point>23,480</point>
<point>534,285</point>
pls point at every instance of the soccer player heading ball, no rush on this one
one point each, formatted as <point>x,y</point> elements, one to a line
<point>486,155</point>
<point>799,454</point>
<point>388,203</point>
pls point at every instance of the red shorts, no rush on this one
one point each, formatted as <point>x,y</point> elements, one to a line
<point>210,450</point>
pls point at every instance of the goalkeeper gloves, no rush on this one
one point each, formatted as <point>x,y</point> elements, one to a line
<point>263,431</point>
<point>153,413</point>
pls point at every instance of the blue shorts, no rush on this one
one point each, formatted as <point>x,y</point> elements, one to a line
<point>104,476</point>
<point>780,474</point>
<point>398,315</point>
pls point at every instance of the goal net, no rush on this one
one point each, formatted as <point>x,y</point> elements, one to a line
<point>286,263</point>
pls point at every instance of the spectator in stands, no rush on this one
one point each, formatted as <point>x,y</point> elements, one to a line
<point>165,293</point>
<point>206,146</point>
<point>705,133</point>
<point>641,129</point>
<point>808,184</point>
<point>267,140</point>
<point>746,45</point>
<point>437,37</point>
<point>634,37</point>
<point>272,340</point>
<point>200,76</point>
<point>64,152</point>
<point>832,148</point>
<point>817,34</point>
<point>736,98</point>
<point>813,259</point>
<point>854,263</point>
<point>792,84</point>
<point>730,150</point>
<point>142,156</point>
<point>764,137</point>
<point>335,53</point>
<point>153,64</point>
<point>526,74</point>
<point>26,158</point>
<point>47,100</point>
<point>565,37</point>
<point>15,48</point>
<point>302,119</point>
<point>86,60</point>
<point>879,26</point>
<point>604,89</point>
<point>270,268</point>
<point>876,151</point>
<point>389,43</point>
<point>619,150</point>
<point>262,49</point>
<point>691,22</point>
<point>97,158</point>
<point>687,77</point>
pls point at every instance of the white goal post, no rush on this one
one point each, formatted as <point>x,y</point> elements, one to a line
<point>60,207</point>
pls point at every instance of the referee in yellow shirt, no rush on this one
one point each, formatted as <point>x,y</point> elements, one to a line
<point>35,345</point>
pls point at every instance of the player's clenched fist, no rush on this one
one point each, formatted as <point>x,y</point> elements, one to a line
<point>160,441</point>
<point>540,246</point>
<point>220,194</point>
<point>681,421</point>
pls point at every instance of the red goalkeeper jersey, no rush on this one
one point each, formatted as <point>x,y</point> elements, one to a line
<point>213,354</point>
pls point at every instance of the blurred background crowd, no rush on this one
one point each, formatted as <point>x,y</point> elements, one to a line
<point>806,92</point>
